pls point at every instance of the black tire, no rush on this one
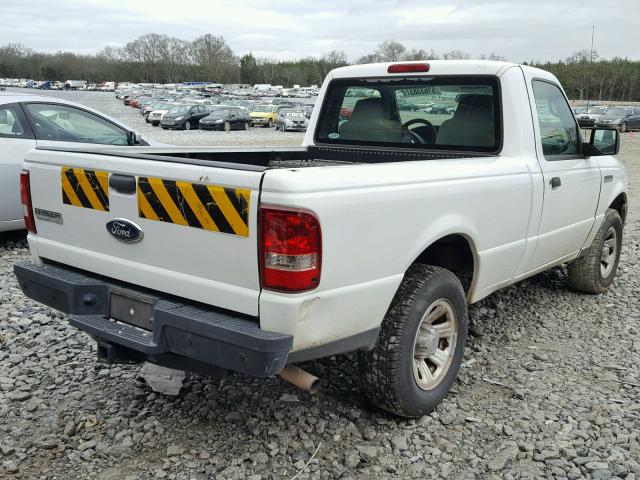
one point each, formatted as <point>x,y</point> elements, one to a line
<point>187,125</point>
<point>623,127</point>
<point>269,123</point>
<point>227,126</point>
<point>587,273</point>
<point>387,371</point>
<point>246,125</point>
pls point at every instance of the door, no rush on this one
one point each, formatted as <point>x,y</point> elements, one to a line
<point>233,118</point>
<point>635,118</point>
<point>16,139</point>
<point>571,181</point>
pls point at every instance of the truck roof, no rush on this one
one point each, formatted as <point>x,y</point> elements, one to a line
<point>437,67</point>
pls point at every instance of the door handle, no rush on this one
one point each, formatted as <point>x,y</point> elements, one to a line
<point>555,182</point>
<point>122,183</point>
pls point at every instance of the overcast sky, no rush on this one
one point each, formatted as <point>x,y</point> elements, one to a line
<point>518,29</point>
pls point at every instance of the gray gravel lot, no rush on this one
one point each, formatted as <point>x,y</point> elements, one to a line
<point>549,388</point>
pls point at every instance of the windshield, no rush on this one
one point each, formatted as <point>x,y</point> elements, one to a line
<point>597,110</point>
<point>263,108</point>
<point>220,112</point>
<point>440,113</point>
<point>616,111</point>
<point>180,110</point>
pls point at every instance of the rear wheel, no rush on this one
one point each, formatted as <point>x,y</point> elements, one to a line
<point>269,124</point>
<point>246,125</point>
<point>623,127</point>
<point>227,126</point>
<point>420,346</point>
<point>595,271</point>
<point>187,125</point>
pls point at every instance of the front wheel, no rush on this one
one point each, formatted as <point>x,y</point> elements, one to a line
<point>246,125</point>
<point>269,123</point>
<point>187,125</point>
<point>623,127</point>
<point>595,271</point>
<point>227,126</point>
<point>419,349</point>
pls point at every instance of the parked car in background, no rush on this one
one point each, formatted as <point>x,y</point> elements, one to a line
<point>406,105</point>
<point>74,84</point>
<point>621,117</point>
<point>308,110</point>
<point>588,119</point>
<point>161,106</point>
<point>291,119</point>
<point>183,117</point>
<point>28,121</point>
<point>155,116</point>
<point>226,118</point>
<point>264,115</point>
<point>579,110</point>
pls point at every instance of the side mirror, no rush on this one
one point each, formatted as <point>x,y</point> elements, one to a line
<point>133,138</point>
<point>603,141</point>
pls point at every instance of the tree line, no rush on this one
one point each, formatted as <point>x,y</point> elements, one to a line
<point>160,58</point>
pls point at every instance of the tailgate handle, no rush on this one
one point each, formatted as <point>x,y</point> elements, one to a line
<point>123,183</point>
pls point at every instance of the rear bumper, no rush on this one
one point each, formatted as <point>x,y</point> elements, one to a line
<point>185,330</point>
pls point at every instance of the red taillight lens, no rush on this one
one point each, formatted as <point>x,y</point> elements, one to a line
<point>25,197</point>
<point>408,68</point>
<point>290,250</point>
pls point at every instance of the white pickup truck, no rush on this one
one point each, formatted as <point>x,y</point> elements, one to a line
<point>420,188</point>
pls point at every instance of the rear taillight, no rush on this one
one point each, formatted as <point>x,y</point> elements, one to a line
<point>290,249</point>
<point>25,197</point>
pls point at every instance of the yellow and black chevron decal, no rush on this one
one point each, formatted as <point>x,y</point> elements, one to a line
<point>210,207</point>
<point>85,188</point>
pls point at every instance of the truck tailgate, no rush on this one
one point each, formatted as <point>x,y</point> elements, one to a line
<point>197,223</point>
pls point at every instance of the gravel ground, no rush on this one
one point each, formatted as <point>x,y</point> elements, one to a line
<point>549,388</point>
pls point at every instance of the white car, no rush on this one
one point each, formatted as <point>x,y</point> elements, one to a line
<point>155,117</point>
<point>372,236</point>
<point>27,121</point>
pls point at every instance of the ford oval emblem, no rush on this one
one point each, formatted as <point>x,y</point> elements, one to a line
<point>125,230</point>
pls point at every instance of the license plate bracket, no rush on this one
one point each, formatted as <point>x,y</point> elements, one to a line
<point>132,308</point>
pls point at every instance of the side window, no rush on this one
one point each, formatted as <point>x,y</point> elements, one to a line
<point>69,124</point>
<point>11,126</point>
<point>558,128</point>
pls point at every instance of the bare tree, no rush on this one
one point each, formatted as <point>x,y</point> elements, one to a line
<point>456,55</point>
<point>390,51</point>
<point>215,58</point>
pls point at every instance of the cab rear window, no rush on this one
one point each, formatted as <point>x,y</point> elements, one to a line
<point>459,113</point>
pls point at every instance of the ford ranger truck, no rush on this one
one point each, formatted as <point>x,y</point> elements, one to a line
<point>447,181</point>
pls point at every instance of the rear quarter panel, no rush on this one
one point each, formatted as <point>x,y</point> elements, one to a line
<point>377,219</point>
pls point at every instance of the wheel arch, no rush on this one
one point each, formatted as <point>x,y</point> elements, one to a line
<point>455,252</point>
<point>620,205</point>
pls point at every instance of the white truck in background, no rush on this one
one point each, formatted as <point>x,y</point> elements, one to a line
<point>420,188</point>
<point>75,84</point>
